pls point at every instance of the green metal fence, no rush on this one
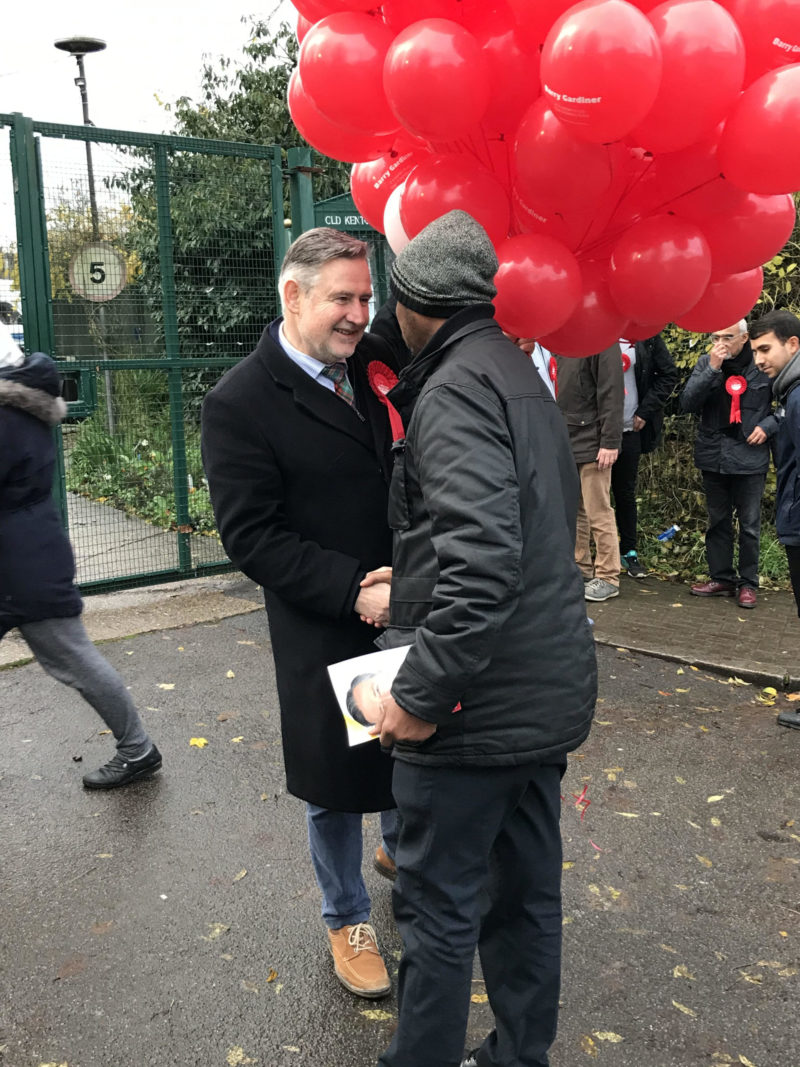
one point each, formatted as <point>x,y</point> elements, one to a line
<point>147,265</point>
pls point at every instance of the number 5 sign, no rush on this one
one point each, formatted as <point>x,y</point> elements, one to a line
<point>98,272</point>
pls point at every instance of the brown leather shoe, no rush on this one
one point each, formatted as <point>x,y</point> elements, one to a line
<point>746,596</point>
<point>358,962</point>
<point>384,864</point>
<point>712,588</point>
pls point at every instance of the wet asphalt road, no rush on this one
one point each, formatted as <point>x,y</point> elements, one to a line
<point>175,923</point>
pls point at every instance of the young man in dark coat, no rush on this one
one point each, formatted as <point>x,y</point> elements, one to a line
<point>296,447</point>
<point>649,376</point>
<point>37,568</point>
<point>776,349</point>
<point>734,402</point>
<point>500,680</point>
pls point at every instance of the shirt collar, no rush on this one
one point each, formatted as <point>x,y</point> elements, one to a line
<point>314,368</point>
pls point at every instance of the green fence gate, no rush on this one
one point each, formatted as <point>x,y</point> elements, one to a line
<point>147,265</point>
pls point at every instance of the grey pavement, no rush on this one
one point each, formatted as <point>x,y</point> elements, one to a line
<point>176,923</point>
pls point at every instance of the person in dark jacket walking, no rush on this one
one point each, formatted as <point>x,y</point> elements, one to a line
<point>649,376</point>
<point>37,570</point>
<point>733,400</point>
<point>776,349</point>
<point>296,447</point>
<point>500,680</point>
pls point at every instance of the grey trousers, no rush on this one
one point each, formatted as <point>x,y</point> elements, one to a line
<point>64,650</point>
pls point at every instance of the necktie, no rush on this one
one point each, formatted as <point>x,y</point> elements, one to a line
<point>337,372</point>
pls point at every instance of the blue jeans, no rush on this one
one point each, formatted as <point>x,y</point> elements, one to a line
<point>337,845</point>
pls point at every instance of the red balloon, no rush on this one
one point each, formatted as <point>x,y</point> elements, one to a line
<point>341,64</point>
<point>436,79</point>
<point>447,183</point>
<point>759,149</point>
<point>513,71</point>
<point>538,285</point>
<point>303,26</point>
<point>595,324</point>
<point>534,19</point>
<point>328,138</point>
<point>745,235</point>
<point>640,331</point>
<point>401,13</point>
<point>771,31</point>
<point>659,269</point>
<point>601,69</point>
<point>724,303</point>
<point>314,10</point>
<point>553,170</point>
<point>703,71</point>
<point>373,183</point>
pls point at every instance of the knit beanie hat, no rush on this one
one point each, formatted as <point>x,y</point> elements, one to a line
<point>450,265</point>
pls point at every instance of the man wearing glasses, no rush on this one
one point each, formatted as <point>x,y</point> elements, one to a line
<point>732,398</point>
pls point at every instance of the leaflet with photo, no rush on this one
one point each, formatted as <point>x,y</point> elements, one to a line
<point>360,684</point>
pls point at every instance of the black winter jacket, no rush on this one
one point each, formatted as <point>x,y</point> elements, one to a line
<point>37,568</point>
<point>787,454</point>
<point>483,504</point>
<point>656,376</point>
<point>720,445</point>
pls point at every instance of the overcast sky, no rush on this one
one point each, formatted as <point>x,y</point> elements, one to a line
<point>155,51</point>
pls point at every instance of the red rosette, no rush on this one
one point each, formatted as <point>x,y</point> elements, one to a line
<point>552,370</point>
<point>626,362</point>
<point>381,379</point>
<point>735,386</point>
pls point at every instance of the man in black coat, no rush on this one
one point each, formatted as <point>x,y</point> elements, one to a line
<point>499,682</point>
<point>649,376</point>
<point>296,447</point>
<point>734,401</point>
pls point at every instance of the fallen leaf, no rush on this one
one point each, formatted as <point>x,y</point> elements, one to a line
<point>567,920</point>
<point>249,987</point>
<point>678,690</point>
<point>793,696</point>
<point>669,948</point>
<point>236,1057</point>
<point>287,1048</point>
<point>603,722</point>
<point>768,702</point>
<point>479,998</point>
<point>682,971</point>
<point>692,668</point>
<point>103,733</point>
<point>229,674</point>
<point>166,685</point>
<point>715,799</point>
<point>238,877</point>
<point>627,814</point>
<point>614,893</point>
<point>265,796</point>
<point>215,930</point>
<point>770,691</point>
<point>680,781</point>
<point>237,740</point>
<point>377,1015</point>
<point>704,860</point>
<point>104,855</point>
<point>622,650</point>
<point>567,865</point>
<point>715,821</point>
<point>252,643</point>
<point>197,742</point>
<point>745,1061</point>
<point>736,680</point>
<point>783,933</point>
<point>680,670</point>
<point>684,1009</point>
<point>787,972</point>
<point>608,1035</point>
<point>273,974</point>
<point>676,605</point>
<point>588,1046</point>
<point>663,693</point>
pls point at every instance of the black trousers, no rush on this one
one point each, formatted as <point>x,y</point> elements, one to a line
<point>479,865</point>
<point>793,556</point>
<point>623,486</point>
<point>726,494</point>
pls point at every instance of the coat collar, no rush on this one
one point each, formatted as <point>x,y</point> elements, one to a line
<point>48,409</point>
<point>369,425</point>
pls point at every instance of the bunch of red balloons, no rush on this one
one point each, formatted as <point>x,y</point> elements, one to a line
<point>633,162</point>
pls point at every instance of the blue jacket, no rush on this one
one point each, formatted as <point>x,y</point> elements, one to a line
<point>37,569</point>
<point>787,454</point>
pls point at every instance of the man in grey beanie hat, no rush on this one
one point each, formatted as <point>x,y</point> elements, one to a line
<point>500,680</point>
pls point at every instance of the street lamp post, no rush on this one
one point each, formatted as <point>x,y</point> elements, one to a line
<point>80,47</point>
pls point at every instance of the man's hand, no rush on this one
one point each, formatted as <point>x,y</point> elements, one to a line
<point>638,423</point>
<point>372,603</point>
<point>606,458</point>
<point>757,437</point>
<point>399,725</point>
<point>717,356</point>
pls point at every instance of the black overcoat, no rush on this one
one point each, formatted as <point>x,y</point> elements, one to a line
<point>299,484</point>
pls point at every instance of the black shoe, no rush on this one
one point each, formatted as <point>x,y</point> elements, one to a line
<point>119,771</point>
<point>630,562</point>
<point>790,718</point>
<point>471,1059</point>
